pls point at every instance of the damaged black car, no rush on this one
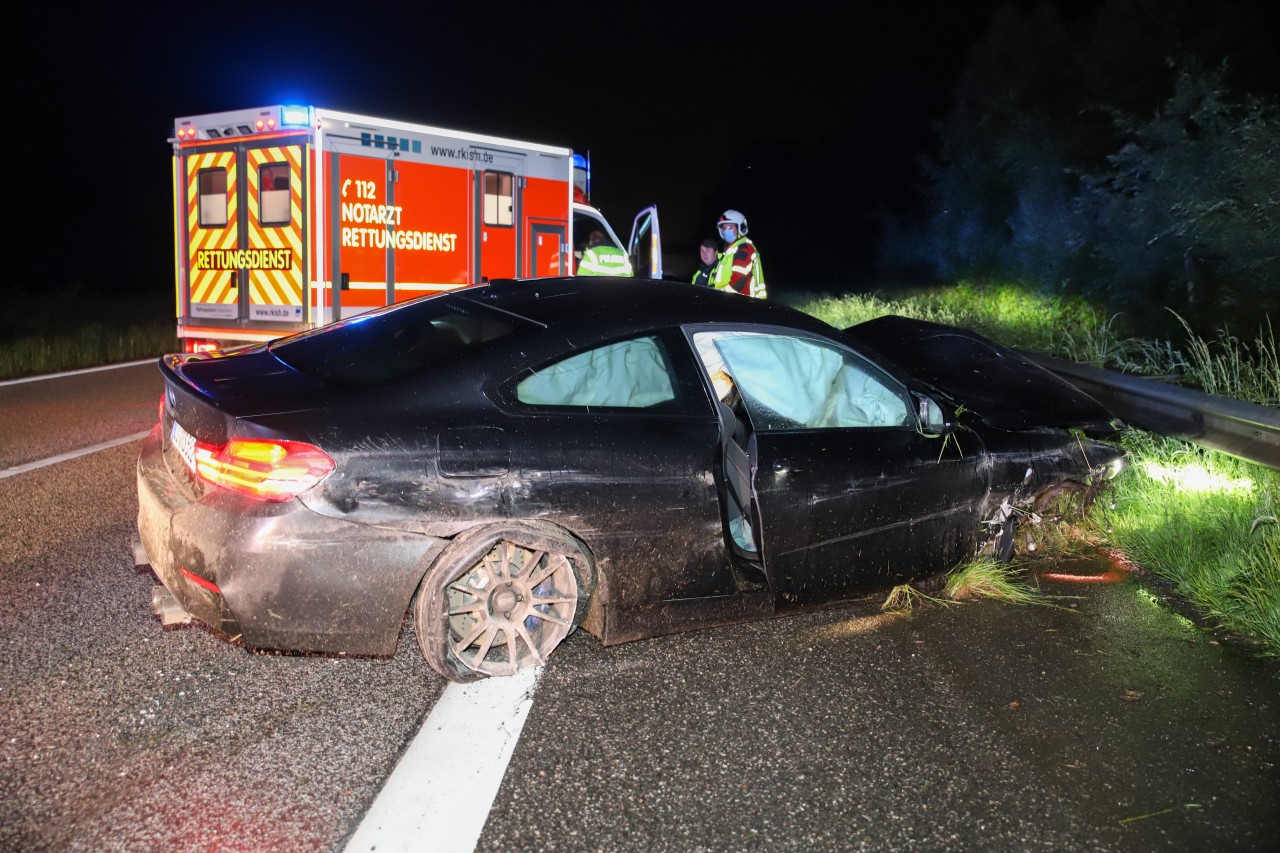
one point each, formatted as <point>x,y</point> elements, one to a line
<point>513,461</point>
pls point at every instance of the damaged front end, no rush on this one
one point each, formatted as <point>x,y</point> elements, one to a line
<point>1057,486</point>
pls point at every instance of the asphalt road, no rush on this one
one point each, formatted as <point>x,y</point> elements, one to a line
<point>1105,723</point>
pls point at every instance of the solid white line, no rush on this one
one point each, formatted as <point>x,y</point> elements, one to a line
<point>63,457</point>
<point>438,797</point>
<point>77,372</point>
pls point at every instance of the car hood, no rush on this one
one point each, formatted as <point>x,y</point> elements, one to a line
<point>995,383</point>
<point>247,383</point>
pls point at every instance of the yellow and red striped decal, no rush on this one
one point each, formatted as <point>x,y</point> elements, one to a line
<point>211,285</point>
<point>276,286</point>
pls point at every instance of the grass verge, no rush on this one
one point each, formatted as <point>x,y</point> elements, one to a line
<point>91,346</point>
<point>74,326</point>
<point>1207,523</point>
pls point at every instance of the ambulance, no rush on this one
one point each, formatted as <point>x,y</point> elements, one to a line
<point>287,218</point>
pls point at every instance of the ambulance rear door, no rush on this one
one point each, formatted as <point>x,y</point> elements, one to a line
<point>244,240</point>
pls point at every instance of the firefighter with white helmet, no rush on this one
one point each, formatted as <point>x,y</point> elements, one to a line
<point>739,267</point>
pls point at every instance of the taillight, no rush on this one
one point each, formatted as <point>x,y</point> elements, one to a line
<point>161,407</point>
<point>270,470</point>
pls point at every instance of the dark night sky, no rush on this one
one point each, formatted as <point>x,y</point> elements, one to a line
<point>805,118</point>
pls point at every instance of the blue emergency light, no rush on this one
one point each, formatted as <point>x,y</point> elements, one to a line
<point>295,116</point>
<point>582,173</point>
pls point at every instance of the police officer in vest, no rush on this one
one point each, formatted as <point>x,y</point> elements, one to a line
<point>603,258</point>
<point>707,259</point>
<point>739,267</point>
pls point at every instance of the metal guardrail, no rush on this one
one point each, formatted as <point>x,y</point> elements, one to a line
<point>1245,430</point>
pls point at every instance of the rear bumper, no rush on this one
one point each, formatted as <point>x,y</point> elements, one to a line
<point>278,575</point>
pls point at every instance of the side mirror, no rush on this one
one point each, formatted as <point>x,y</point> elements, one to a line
<point>932,419</point>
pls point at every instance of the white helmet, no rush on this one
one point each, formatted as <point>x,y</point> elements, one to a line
<point>734,218</point>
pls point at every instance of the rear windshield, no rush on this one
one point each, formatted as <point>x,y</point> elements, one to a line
<point>392,342</point>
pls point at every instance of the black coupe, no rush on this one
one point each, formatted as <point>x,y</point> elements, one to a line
<point>514,460</point>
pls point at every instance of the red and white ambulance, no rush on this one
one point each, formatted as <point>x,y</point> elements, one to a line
<point>288,218</point>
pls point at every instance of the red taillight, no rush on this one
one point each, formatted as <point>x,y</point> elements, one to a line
<point>270,470</point>
<point>198,345</point>
<point>161,412</point>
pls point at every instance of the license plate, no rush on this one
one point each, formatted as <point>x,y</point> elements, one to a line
<point>185,443</point>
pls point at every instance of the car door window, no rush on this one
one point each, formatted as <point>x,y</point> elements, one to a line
<point>796,382</point>
<point>628,374</point>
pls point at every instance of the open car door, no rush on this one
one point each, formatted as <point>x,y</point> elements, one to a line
<point>645,245</point>
<point>828,481</point>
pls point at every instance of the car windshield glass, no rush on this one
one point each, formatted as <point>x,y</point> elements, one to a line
<point>392,342</point>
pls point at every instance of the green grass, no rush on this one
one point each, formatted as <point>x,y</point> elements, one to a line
<point>985,578</point>
<point>980,579</point>
<point>1205,521</point>
<point>89,346</point>
<point>1003,312</point>
<point>1227,365</point>
<point>906,597</point>
<point>70,328</point>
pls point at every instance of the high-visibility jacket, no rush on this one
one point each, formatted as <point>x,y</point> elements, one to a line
<point>702,277</point>
<point>603,259</point>
<point>739,270</point>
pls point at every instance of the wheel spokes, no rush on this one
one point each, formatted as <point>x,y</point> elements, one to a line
<point>523,633</point>
<point>491,604</point>
<point>552,565</point>
<point>546,616</point>
<point>468,608</point>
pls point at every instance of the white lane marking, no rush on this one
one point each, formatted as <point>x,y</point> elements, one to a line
<point>63,457</point>
<point>77,372</point>
<point>438,797</point>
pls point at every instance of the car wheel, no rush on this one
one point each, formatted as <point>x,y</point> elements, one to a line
<point>500,598</point>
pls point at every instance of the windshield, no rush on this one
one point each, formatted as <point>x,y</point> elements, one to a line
<point>392,342</point>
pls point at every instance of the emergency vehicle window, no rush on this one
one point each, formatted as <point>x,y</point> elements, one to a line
<point>213,198</point>
<point>499,198</point>
<point>273,194</point>
<point>583,225</point>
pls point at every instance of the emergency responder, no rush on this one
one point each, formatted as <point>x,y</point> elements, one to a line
<point>739,267</point>
<point>602,258</point>
<point>707,258</point>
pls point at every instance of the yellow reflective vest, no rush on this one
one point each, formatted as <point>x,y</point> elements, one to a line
<point>603,259</point>
<point>729,265</point>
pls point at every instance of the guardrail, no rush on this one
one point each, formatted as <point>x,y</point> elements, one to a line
<point>1245,430</point>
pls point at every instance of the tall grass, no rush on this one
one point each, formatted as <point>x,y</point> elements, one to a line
<point>1004,312</point>
<point>1206,522</point>
<point>1227,366</point>
<point>88,346</point>
<point>70,328</point>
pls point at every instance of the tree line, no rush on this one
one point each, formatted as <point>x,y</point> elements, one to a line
<point>1129,152</point>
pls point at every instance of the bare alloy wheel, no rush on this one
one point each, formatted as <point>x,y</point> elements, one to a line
<point>511,609</point>
<point>498,600</point>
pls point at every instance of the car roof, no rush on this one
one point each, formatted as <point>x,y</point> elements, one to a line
<point>555,302</point>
